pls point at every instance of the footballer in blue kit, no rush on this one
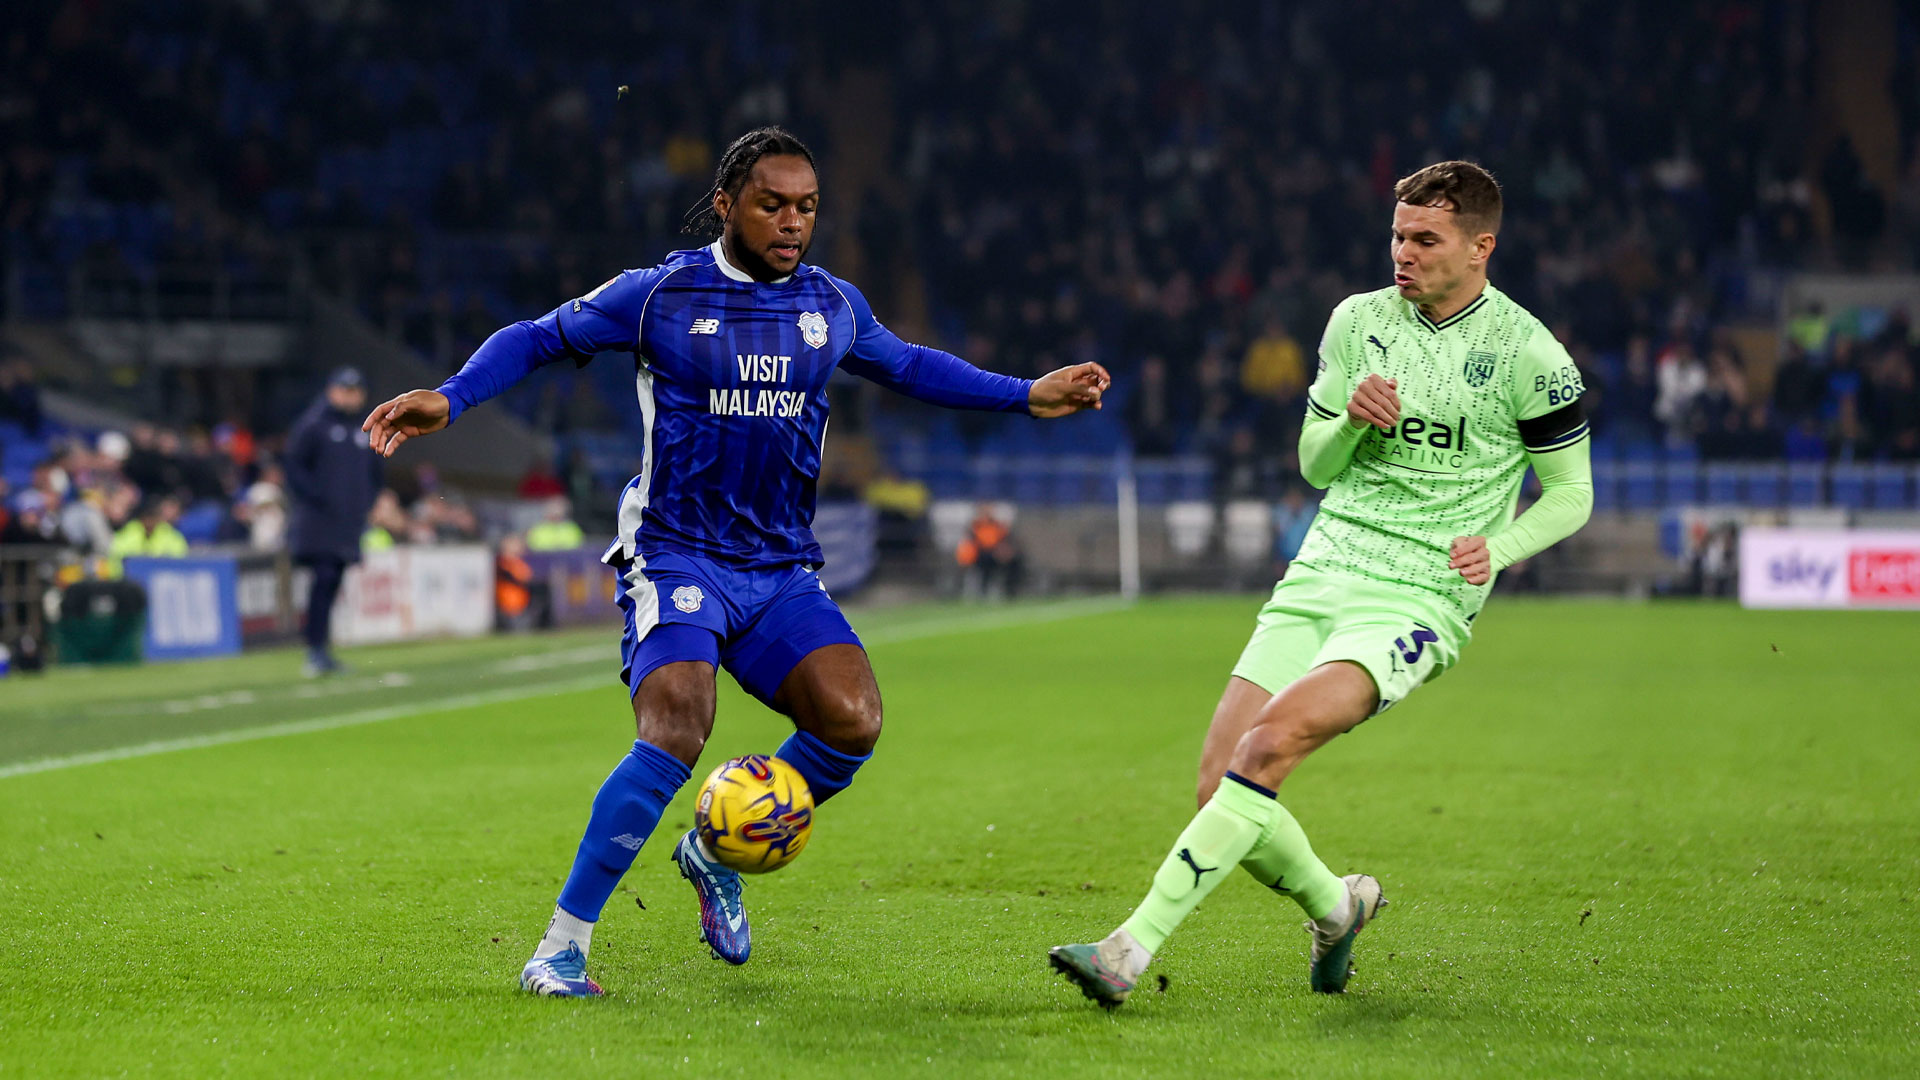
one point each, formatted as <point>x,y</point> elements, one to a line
<point>733,344</point>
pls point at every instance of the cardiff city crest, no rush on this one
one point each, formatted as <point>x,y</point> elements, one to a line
<point>1479,368</point>
<point>813,328</point>
<point>688,597</point>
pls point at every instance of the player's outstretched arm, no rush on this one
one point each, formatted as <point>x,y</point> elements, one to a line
<point>1327,441</point>
<point>941,378</point>
<point>606,318</point>
<point>409,416</point>
<point>1565,503</point>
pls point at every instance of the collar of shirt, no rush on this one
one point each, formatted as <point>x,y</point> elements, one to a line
<point>1458,317</point>
<point>726,267</point>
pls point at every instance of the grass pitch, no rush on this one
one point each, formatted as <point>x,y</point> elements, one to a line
<point>1619,839</point>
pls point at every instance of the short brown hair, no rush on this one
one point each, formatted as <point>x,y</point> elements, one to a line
<point>1463,187</point>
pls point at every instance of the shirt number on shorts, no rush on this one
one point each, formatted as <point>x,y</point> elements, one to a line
<point>1422,637</point>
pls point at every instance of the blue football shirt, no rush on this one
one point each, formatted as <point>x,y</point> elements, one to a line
<point>731,376</point>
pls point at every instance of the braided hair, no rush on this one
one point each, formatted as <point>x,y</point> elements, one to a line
<point>731,175</point>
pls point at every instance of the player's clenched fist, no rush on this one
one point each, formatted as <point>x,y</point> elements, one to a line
<point>1375,401</point>
<point>412,414</point>
<point>1068,390</point>
<point>1471,559</point>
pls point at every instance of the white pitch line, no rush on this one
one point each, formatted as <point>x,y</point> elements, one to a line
<point>300,727</point>
<point>913,631</point>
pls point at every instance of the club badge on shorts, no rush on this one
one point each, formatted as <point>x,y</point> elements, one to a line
<point>813,328</point>
<point>688,598</point>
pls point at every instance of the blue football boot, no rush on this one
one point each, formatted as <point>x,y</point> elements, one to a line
<point>723,918</point>
<point>564,974</point>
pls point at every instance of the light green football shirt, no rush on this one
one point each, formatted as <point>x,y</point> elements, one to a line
<point>1453,465</point>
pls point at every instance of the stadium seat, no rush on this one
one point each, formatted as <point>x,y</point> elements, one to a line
<point>1850,485</point>
<point>1891,489</point>
<point>1248,529</point>
<point>200,522</point>
<point>1195,478</point>
<point>1723,485</point>
<point>1189,527</point>
<point>1681,483</point>
<point>1641,488</point>
<point>1806,485</point>
<point>1764,485</point>
<point>1606,484</point>
<point>1150,481</point>
<point>949,519</point>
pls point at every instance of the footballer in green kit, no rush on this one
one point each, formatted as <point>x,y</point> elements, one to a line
<point>1432,399</point>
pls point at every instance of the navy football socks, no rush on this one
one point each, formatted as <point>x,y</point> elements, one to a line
<point>624,815</point>
<point>828,771</point>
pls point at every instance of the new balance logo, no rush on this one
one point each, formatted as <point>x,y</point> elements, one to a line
<point>1187,857</point>
<point>704,326</point>
<point>630,841</point>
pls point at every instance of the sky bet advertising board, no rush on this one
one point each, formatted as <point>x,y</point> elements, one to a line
<point>1829,568</point>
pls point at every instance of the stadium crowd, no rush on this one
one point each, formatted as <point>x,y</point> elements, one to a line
<point>154,489</point>
<point>1181,193</point>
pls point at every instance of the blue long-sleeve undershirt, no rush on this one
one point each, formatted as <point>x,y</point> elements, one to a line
<point>510,354</point>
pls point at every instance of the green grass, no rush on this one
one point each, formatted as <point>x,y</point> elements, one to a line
<point>1620,839</point>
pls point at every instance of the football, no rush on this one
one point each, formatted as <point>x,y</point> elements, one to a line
<point>754,813</point>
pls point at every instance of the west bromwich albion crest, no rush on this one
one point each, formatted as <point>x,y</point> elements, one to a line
<point>813,328</point>
<point>1479,368</point>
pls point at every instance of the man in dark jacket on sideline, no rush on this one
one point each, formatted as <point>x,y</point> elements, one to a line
<point>332,477</point>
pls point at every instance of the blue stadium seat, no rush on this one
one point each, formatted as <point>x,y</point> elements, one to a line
<point>1681,483</point>
<point>1642,490</point>
<point>1640,450</point>
<point>1806,485</point>
<point>946,478</point>
<point>1031,480</point>
<point>1604,446</point>
<point>1850,483</point>
<point>1151,482</point>
<point>199,522</point>
<point>1196,480</point>
<point>1606,484</point>
<point>1723,485</point>
<point>1672,535</point>
<point>988,477</point>
<point>1764,485</point>
<point>1891,489</point>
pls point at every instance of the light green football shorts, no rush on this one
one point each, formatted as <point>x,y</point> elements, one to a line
<point>1402,639</point>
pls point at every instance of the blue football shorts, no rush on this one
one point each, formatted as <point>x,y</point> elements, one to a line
<point>757,624</point>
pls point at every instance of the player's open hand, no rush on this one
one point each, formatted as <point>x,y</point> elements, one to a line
<point>1068,390</point>
<point>409,416</point>
<point>1375,401</point>
<point>1470,557</point>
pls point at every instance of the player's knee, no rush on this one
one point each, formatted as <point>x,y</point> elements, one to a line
<point>852,721</point>
<point>674,709</point>
<point>1277,745</point>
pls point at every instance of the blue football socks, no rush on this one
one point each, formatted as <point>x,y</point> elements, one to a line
<point>828,771</point>
<point>624,814</point>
